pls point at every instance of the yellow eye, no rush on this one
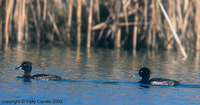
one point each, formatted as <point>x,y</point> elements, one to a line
<point>24,64</point>
<point>141,71</point>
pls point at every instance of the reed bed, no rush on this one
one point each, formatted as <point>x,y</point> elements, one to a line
<point>131,24</point>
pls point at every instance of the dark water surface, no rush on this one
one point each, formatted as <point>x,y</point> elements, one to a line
<point>97,76</point>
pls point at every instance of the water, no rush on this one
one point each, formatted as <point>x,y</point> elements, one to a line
<point>97,76</point>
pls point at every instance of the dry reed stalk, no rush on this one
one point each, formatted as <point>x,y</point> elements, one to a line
<point>36,24</point>
<point>185,5</point>
<point>114,27</point>
<point>147,31</point>
<point>197,24</point>
<point>118,38</point>
<point>79,23</point>
<point>153,24</point>
<point>26,28</point>
<point>130,12</point>
<point>104,27</point>
<point>180,16</point>
<point>39,10</point>
<point>145,13</point>
<point>196,61</point>
<point>45,10</point>
<point>154,38</point>
<point>173,31</point>
<point>55,27</point>
<point>170,42</point>
<point>149,38</point>
<point>78,53</point>
<point>89,25</point>
<point>1,33</point>
<point>21,18</point>
<point>124,3</point>
<point>9,9</point>
<point>135,28</point>
<point>99,26</point>
<point>96,9</point>
<point>159,23</point>
<point>133,24</point>
<point>69,21</point>
<point>185,19</point>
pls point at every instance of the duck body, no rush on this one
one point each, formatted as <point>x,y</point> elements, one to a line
<point>47,77</point>
<point>163,81</point>
<point>27,67</point>
<point>145,74</point>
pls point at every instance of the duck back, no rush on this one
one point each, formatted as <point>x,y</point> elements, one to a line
<point>163,81</point>
<point>47,77</point>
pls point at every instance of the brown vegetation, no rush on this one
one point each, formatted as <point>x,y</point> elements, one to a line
<point>106,23</point>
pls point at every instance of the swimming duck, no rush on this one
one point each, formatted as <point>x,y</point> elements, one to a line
<point>27,67</point>
<point>145,74</point>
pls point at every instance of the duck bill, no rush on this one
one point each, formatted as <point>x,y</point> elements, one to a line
<point>136,76</point>
<point>20,67</point>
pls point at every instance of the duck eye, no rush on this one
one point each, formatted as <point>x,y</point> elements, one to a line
<point>24,64</point>
<point>141,71</point>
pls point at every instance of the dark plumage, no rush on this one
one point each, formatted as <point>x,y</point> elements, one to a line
<point>27,67</point>
<point>145,74</point>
